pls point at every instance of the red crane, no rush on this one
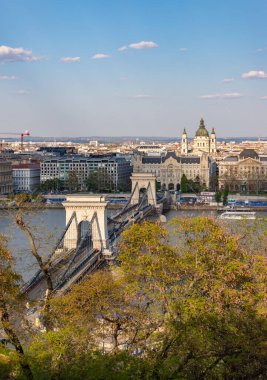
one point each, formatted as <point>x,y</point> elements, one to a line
<point>22,134</point>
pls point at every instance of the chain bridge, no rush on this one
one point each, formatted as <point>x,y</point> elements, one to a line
<point>91,237</point>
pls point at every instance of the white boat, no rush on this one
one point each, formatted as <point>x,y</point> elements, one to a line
<point>241,214</point>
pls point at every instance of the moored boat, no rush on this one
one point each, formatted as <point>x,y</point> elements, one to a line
<point>241,214</point>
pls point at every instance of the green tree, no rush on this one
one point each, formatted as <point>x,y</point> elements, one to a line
<point>10,305</point>
<point>208,290</point>
<point>184,183</point>
<point>54,184</point>
<point>158,186</point>
<point>100,181</point>
<point>73,181</point>
<point>225,195</point>
<point>218,196</point>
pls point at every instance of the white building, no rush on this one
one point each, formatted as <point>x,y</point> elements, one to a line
<point>26,177</point>
<point>203,142</point>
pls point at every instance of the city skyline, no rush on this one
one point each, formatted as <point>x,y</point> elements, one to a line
<point>148,68</point>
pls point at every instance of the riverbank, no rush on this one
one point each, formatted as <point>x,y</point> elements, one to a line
<point>55,205</point>
<point>200,207</point>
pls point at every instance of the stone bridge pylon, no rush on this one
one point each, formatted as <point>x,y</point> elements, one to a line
<point>86,214</point>
<point>144,182</point>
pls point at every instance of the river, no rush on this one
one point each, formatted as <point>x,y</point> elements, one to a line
<point>47,225</point>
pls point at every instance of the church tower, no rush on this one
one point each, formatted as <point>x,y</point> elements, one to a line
<point>202,139</point>
<point>184,144</point>
<point>213,142</point>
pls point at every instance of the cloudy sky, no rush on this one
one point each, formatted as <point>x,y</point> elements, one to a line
<point>133,67</point>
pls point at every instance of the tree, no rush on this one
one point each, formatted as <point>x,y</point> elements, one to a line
<point>73,181</point>
<point>158,185</point>
<point>43,263</point>
<point>10,302</point>
<point>225,195</point>
<point>100,181</point>
<point>218,196</point>
<point>189,303</point>
<point>184,182</point>
<point>106,308</point>
<point>208,290</point>
<point>54,184</point>
<point>214,182</point>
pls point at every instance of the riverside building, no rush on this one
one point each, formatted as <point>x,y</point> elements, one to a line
<point>197,163</point>
<point>26,177</point>
<point>169,168</point>
<point>5,177</point>
<point>115,169</point>
<point>245,172</point>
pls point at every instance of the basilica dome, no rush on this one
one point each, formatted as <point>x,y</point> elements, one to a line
<point>202,131</point>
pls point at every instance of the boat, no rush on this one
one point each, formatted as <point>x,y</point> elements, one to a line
<point>240,214</point>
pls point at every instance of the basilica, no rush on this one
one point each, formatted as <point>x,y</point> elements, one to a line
<point>196,164</point>
<point>203,142</point>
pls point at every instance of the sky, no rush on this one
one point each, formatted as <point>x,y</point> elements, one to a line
<point>133,67</point>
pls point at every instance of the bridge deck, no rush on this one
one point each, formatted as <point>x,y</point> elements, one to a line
<point>69,267</point>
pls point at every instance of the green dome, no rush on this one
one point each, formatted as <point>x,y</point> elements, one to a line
<point>202,132</point>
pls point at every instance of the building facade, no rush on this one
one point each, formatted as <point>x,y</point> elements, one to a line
<point>203,142</point>
<point>246,172</point>
<point>6,186</point>
<point>116,170</point>
<point>169,168</point>
<point>26,177</point>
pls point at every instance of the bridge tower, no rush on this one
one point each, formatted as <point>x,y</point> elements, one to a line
<point>86,208</point>
<point>144,181</point>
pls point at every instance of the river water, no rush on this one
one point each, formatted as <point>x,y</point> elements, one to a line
<point>47,225</point>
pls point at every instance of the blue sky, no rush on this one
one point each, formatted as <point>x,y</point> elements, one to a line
<point>61,73</point>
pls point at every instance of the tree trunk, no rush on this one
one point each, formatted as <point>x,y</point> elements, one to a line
<point>43,267</point>
<point>15,341</point>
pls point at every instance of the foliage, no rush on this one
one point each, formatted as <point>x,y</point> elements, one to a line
<point>184,182</point>
<point>225,195</point>
<point>73,182</point>
<point>54,184</point>
<point>185,303</point>
<point>158,186</point>
<point>218,196</point>
<point>10,311</point>
<point>100,181</point>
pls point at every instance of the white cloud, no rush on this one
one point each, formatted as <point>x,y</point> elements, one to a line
<point>264,97</point>
<point>70,59</point>
<point>230,95</point>
<point>100,56</point>
<point>7,77</point>
<point>122,48</point>
<point>142,96</point>
<point>143,45</point>
<point>183,49</point>
<point>254,74</point>
<point>22,92</point>
<point>228,80</point>
<point>9,54</point>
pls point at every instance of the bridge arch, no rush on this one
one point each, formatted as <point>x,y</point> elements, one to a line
<point>84,228</point>
<point>89,210</point>
<point>145,181</point>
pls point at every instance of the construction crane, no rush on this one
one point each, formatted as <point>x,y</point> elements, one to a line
<point>22,134</point>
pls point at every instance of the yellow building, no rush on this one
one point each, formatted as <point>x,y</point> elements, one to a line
<point>246,172</point>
